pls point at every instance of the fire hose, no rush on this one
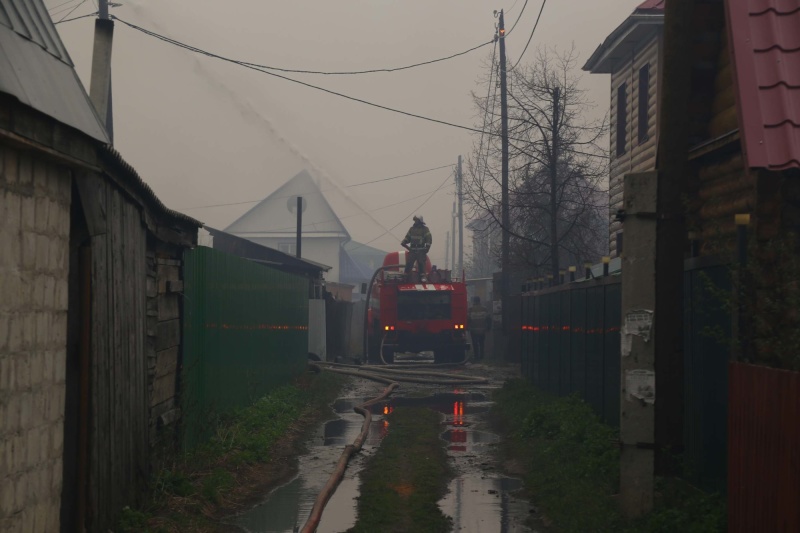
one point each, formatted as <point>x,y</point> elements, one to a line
<point>373,373</point>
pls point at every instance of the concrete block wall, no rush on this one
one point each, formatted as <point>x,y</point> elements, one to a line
<point>34,259</point>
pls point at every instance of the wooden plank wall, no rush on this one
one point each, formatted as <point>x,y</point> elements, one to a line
<point>637,157</point>
<point>119,387</point>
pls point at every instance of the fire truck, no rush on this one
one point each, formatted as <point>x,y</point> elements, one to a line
<point>415,313</point>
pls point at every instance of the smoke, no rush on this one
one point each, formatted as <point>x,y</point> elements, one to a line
<point>252,115</point>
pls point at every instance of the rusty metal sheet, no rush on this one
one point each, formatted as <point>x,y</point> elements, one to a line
<point>764,449</point>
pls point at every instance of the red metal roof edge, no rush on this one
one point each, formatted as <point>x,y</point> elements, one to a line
<point>756,133</point>
<point>650,5</point>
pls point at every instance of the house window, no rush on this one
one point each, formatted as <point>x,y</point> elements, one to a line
<point>622,119</point>
<point>288,247</point>
<point>644,102</point>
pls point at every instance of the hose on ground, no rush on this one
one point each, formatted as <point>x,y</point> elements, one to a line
<point>372,373</point>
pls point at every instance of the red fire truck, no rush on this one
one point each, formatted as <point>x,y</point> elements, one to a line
<point>413,313</point>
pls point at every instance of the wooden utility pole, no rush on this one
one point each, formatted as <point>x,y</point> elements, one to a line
<point>299,226</point>
<point>459,192</point>
<point>505,215</point>
<point>447,252</point>
<point>554,248</point>
<point>100,84</point>
<point>453,233</point>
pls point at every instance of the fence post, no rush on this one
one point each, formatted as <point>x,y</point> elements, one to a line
<point>637,362</point>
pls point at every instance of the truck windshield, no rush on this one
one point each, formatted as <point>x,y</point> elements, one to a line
<point>427,305</point>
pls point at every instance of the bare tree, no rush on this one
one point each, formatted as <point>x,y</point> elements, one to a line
<point>558,196</point>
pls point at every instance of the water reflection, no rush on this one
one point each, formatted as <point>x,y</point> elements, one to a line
<point>485,505</point>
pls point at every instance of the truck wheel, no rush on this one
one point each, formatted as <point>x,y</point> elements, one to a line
<point>441,355</point>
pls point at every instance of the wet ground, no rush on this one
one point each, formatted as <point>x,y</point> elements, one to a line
<point>479,499</point>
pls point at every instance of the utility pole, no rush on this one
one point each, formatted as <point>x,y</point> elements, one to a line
<point>447,252</point>
<point>100,84</point>
<point>460,189</point>
<point>299,226</point>
<point>554,248</point>
<point>453,242</point>
<point>505,216</point>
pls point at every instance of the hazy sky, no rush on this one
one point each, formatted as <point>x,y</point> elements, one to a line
<point>203,132</point>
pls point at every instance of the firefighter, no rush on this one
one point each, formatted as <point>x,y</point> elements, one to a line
<point>417,242</point>
<point>479,321</point>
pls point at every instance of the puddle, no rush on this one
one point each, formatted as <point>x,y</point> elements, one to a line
<point>478,499</point>
<point>485,505</point>
<point>289,505</point>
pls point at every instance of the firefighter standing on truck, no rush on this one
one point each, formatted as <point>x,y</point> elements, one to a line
<point>418,242</point>
<point>478,323</point>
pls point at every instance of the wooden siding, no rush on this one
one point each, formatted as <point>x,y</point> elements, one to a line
<point>724,117</point>
<point>119,389</point>
<point>722,188</point>
<point>637,157</point>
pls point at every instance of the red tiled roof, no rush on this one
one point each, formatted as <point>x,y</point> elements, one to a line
<point>765,41</point>
<point>651,5</point>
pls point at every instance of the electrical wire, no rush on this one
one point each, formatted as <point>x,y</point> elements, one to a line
<point>536,25</point>
<point>371,71</point>
<point>76,18</point>
<point>72,10</point>
<point>518,17</point>
<point>309,85</point>
<point>420,206</point>
<point>53,8</point>
<point>396,177</point>
<point>323,190</point>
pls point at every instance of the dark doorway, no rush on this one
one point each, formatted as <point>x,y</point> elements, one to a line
<point>76,406</point>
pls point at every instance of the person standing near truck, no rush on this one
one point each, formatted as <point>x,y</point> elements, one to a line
<point>479,321</point>
<point>418,242</point>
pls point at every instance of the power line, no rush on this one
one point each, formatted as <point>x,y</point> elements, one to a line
<point>396,177</point>
<point>539,16</point>
<point>320,190</point>
<point>393,204</point>
<point>371,71</point>
<point>76,18</point>
<point>53,8</point>
<point>518,17</point>
<point>309,85</point>
<point>72,10</point>
<point>420,206</point>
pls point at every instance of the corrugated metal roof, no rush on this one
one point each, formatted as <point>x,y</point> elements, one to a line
<point>765,43</point>
<point>36,69</point>
<point>128,173</point>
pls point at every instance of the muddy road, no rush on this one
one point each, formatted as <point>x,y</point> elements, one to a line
<point>480,497</point>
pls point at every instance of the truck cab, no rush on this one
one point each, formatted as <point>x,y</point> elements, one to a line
<point>416,312</point>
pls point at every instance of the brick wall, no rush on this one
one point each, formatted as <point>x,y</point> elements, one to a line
<point>34,254</point>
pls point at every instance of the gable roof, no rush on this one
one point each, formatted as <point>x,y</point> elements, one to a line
<point>276,215</point>
<point>641,25</point>
<point>248,249</point>
<point>36,69</point>
<point>765,44</point>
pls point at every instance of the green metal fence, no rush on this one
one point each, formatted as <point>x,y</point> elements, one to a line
<point>570,342</point>
<point>707,326</point>
<point>245,333</point>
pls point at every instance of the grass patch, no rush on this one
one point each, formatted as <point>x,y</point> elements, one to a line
<point>572,468</point>
<point>403,482</point>
<point>197,487</point>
